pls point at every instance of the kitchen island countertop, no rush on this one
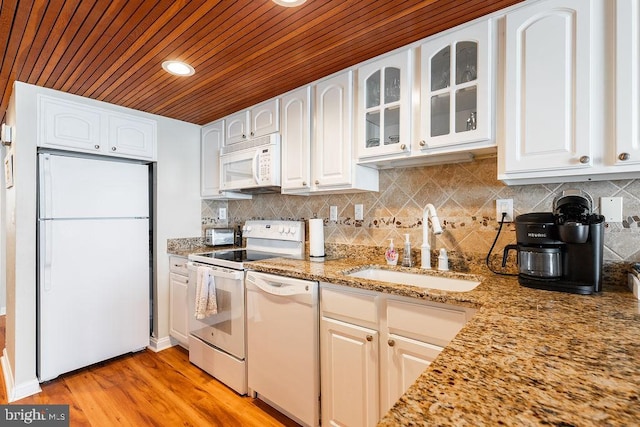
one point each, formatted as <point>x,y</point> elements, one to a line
<point>527,357</point>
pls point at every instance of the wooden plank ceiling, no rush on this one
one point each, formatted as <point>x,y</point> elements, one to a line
<point>244,51</point>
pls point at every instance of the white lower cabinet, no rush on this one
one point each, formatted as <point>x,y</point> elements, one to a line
<point>350,374</point>
<point>407,359</point>
<point>373,348</point>
<point>178,308</point>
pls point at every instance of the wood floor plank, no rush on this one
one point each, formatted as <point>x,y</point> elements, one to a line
<point>150,389</point>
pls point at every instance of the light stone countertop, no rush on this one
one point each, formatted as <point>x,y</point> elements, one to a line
<point>527,357</point>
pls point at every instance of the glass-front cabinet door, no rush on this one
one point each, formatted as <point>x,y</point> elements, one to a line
<point>456,88</point>
<point>384,107</point>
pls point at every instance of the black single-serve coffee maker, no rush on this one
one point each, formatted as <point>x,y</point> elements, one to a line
<point>561,250</point>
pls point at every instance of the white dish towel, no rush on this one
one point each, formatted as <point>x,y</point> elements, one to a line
<point>206,301</point>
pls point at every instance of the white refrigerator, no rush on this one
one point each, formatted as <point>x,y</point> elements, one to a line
<point>93,261</point>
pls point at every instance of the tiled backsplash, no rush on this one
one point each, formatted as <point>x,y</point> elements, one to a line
<point>464,196</point>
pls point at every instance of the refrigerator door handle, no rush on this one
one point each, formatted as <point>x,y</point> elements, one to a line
<point>46,258</point>
<point>45,186</point>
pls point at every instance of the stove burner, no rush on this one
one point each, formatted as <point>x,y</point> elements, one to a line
<point>242,255</point>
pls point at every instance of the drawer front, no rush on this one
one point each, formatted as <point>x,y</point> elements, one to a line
<point>178,265</point>
<point>432,324</point>
<point>349,306</point>
<point>179,278</point>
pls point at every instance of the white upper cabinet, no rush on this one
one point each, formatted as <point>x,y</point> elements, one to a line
<point>384,106</point>
<point>259,120</point>
<point>296,140</point>
<point>332,161</point>
<point>551,108</point>
<point>456,88</point>
<point>572,99</point>
<point>212,139</point>
<point>68,125</point>
<point>131,136</point>
<point>628,83</point>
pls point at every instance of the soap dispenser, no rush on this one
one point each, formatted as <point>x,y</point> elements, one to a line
<point>391,255</point>
<point>443,260</point>
<point>406,256</point>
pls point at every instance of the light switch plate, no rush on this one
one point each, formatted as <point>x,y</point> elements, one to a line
<point>333,213</point>
<point>358,212</point>
<point>611,208</point>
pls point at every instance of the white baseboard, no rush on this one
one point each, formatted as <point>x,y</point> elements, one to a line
<point>159,344</point>
<point>17,392</point>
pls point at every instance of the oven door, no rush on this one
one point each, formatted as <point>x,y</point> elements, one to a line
<point>226,329</point>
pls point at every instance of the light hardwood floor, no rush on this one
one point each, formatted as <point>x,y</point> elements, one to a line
<point>150,389</point>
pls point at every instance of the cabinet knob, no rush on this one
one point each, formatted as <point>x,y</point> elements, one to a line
<point>391,343</point>
<point>624,156</point>
<point>304,183</point>
<point>403,147</point>
<point>97,147</point>
<point>317,182</point>
<point>423,143</point>
<point>369,338</point>
<point>252,134</point>
<point>113,148</point>
<point>585,159</point>
<point>244,136</point>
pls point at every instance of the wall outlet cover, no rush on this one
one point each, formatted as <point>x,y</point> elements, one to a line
<point>222,213</point>
<point>358,212</point>
<point>504,205</point>
<point>611,208</point>
<point>333,213</point>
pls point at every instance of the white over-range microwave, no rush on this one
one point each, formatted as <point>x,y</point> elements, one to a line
<point>251,166</point>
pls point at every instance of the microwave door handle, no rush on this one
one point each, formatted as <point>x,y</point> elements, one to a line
<point>256,166</point>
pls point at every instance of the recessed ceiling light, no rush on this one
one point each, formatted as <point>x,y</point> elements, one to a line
<point>178,68</point>
<point>289,3</point>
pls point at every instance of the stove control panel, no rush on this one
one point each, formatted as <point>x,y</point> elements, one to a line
<point>274,230</point>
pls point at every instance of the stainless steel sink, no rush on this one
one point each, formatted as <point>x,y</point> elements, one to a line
<point>417,279</point>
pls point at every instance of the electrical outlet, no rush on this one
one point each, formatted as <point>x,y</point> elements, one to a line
<point>222,213</point>
<point>504,205</point>
<point>358,212</point>
<point>333,213</point>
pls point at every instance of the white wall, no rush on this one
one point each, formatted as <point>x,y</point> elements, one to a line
<point>177,206</point>
<point>19,355</point>
<point>177,214</point>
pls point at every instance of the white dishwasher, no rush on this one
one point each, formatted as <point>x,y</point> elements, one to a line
<point>283,345</point>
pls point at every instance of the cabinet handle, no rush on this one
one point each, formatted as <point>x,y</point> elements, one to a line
<point>422,143</point>
<point>317,182</point>
<point>624,156</point>
<point>403,147</point>
<point>369,338</point>
<point>97,147</point>
<point>113,148</point>
<point>391,343</point>
<point>585,159</point>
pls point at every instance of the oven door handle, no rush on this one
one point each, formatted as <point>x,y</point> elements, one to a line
<point>218,272</point>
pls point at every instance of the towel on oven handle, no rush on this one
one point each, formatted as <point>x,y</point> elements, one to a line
<point>206,301</point>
